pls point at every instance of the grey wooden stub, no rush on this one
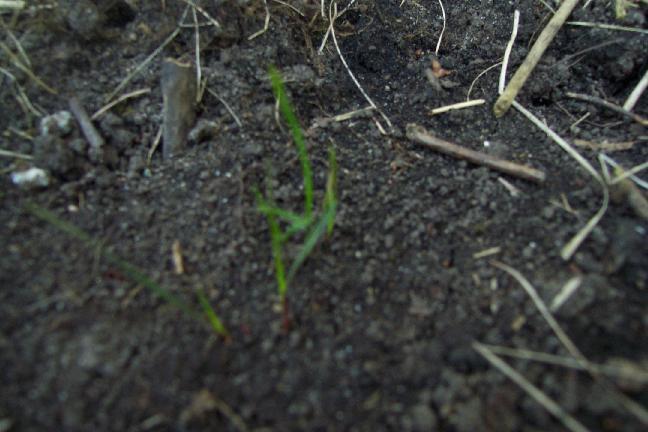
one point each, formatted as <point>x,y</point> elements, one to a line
<point>179,96</point>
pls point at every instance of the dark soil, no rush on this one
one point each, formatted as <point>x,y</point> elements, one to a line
<point>386,309</point>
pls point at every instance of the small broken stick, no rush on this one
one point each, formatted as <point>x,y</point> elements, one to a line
<point>609,105</point>
<point>420,135</point>
<point>179,95</point>
<point>89,131</point>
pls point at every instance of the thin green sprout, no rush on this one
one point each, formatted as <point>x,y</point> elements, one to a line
<point>128,269</point>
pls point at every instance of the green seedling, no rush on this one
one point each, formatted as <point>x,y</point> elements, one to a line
<point>133,272</point>
<point>285,224</point>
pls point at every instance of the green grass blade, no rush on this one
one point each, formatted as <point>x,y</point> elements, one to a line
<point>330,198</point>
<point>128,269</point>
<point>213,319</point>
<point>292,218</point>
<point>276,240</point>
<point>311,240</point>
<point>277,254</point>
<point>298,137</point>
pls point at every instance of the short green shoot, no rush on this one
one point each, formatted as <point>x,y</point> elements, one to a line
<point>285,224</point>
<point>133,272</point>
<point>210,313</point>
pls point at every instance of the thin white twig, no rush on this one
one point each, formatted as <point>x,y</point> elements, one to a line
<point>330,27</point>
<point>636,93</point>
<point>458,106</point>
<point>119,100</point>
<point>566,292</point>
<point>438,45</point>
<point>266,22</point>
<point>332,17</point>
<point>203,12</point>
<point>607,26</point>
<point>472,84</point>
<point>227,107</point>
<point>507,52</point>
<point>197,49</point>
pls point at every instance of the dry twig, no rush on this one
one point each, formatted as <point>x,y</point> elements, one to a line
<point>101,111</point>
<point>420,135</point>
<point>89,131</point>
<point>458,106</point>
<point>609,105</point>
<point>519,78</point>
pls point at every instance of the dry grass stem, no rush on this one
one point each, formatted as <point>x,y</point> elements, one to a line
<point>633,407</point>
<point>21,51</point>
<point>266,22</point>
<point>148,59</point>
<point>546,36</point>
<point>605,160</point>
<point>636,374</point>
<point>636,93</point>
<point>515,192</point>
<point>330,27</point>
<point>570,248</point>
<point>202,12</point>
<point>15,155</point>
<point>176,255</point>
<point>438,45</point>
<point>605,145</point>
<point>507,52</point>
<point>607,26</point>
<point>565,293</point>
<point>544,311</point>
<point>352,114</point>
<point>333,15</point>
<point>21,96</point>
<point>629,173</point>
<point>458,106</point>
<point>420,135</point>
<point>472,84</point>
<point>579,121</point>
<point>227,107</point>
<point>288,5</point>
<point>487,252</point>
<point>154,145</point>
<point>556,410</point>
<point>16,62</point>
<point>610,106</point>
<point>197,56</point>
<point>101,111</point>
<point>12,4</point>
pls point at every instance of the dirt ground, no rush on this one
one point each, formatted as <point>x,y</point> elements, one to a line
<point>387,309</point>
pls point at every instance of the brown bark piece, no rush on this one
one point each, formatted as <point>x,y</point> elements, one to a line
<point>178,94</point>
